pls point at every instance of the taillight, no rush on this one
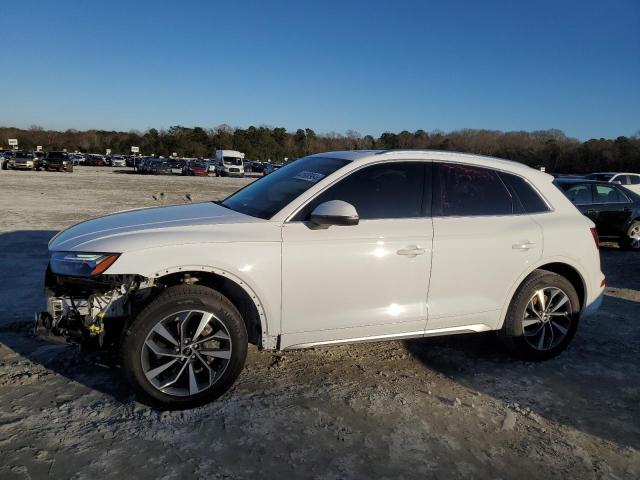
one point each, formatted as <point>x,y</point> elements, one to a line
<point>594,232</point>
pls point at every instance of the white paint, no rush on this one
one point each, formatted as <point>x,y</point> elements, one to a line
<point>342,284</point>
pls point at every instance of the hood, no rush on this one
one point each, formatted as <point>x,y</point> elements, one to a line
<point>150,227</point>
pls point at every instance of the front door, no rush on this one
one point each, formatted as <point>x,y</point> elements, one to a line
<point>367,280</point>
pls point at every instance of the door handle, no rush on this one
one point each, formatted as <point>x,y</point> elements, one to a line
<point>591,211</point>
<point>411,251</point>
<point>524,246</point>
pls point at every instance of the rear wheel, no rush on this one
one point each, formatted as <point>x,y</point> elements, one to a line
<point>632,240</point>
<point>186,348</point>
<point>542,317</point>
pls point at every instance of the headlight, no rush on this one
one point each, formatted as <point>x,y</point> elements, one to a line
<point>81,264</point>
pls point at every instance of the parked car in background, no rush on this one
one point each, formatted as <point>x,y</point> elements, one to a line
<point>39,155</point>
<point>176,163</point>
<point>139,163</point>
<point>95,161</point>
<point>270,168</point>
<point>614,209</point>
<point>77,158</point>
<point>334,248</point>
<point>229,163</point>
<point>158,166</point>
<point>628,180</point>
<point>142,165</point>
<point>6,156</point>
<point>257,167</point>
<point>196,168</point>
<point>58,161</point>
<point>118,161</point>
<point>21,160</point>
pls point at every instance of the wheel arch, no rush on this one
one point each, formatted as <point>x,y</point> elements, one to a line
<point>560,266</point>
<point>239,293</point>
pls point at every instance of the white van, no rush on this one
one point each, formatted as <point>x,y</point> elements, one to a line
<point>229,163</point>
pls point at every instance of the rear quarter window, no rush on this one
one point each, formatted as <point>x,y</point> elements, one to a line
<point>530,200</point>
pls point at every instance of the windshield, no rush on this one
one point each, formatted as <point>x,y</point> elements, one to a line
<point>232,161</point>
<point>267,196</point>
<point>57,156</point>
<point>603,177</point>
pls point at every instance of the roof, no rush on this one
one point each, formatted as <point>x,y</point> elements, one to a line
<point>361,155</point>
<point>578,180</point>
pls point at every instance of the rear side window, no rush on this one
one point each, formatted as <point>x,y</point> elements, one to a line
<point>634,179</point>
<point>465,190</point>
<point>531,201</point>
<point>607,194</point>
<point>388,190</point>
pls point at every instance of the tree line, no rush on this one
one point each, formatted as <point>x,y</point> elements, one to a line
<point>551,149</point>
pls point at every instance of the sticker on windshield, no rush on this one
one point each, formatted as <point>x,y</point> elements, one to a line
<point>312,177</point>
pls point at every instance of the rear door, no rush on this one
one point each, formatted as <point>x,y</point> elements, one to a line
<point>481,246</point>
<point>581,195</point>
<point>614,209</point>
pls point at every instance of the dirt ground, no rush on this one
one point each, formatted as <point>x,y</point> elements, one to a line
<point>456,407</point>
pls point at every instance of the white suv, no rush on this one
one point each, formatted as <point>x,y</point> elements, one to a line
<point>333,248</point>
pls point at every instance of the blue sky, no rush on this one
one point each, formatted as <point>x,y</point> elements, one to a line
<point>370,66</point>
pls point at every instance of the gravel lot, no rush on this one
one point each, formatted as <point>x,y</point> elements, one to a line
<point>455,407</point>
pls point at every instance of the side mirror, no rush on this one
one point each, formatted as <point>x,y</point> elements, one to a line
<point>617,182</point>
<point>334,212</point>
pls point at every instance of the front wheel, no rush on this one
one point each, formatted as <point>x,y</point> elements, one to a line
<point>186,348</point>
<point>542,317</point>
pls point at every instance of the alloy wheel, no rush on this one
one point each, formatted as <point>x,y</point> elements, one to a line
<point>634,236</point>
<point>547,318</point>
<point>186,352</point>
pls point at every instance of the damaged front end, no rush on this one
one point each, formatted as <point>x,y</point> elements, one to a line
<point>91,311</point>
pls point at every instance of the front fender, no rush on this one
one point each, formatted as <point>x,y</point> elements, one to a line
<point>253,266</point>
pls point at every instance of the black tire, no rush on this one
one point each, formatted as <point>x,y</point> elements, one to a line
<point>512,332</point>
<point>629,242</point>
<point>5,165</point>
<point>171,301</point>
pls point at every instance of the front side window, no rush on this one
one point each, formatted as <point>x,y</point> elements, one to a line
<point>383,191</point>
<point>267,196</point>
<point>465,190</point>
<point>634,179</point>
<point>607,194</point>
<point>578,194</point>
